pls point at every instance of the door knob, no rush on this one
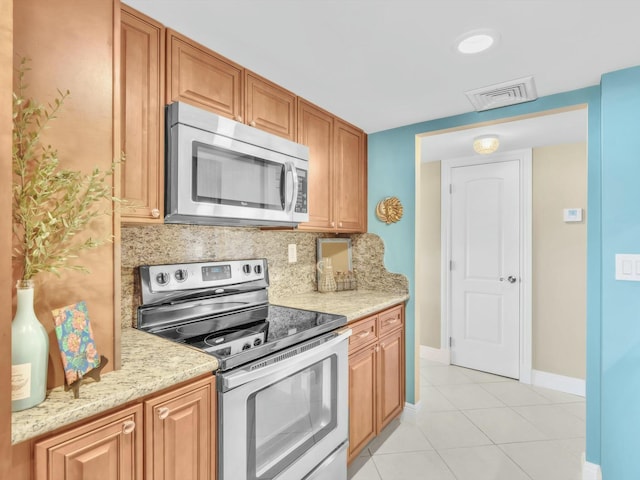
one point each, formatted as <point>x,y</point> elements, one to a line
<point>510,279</point>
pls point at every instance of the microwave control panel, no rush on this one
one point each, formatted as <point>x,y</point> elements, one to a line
<point>301,201</point>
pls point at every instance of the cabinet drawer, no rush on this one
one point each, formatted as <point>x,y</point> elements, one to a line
<point>390,320</point>
<point>363,332</point>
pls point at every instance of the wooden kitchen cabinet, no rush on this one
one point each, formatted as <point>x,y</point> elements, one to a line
<point>269,107</point>
<point>170,436</point>
<point>142,92</point>
<point>350,177</point>
<point>109,448</point>
<point>337,189</point>
<point>201,77</point>
<point>362,399</point>
<point>376,375</point>
<point>180,432</point>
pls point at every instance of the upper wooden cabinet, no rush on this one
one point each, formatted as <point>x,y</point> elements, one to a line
<point>269,107</point>
<point>337,171</point>
<point>201,77</point>
<point>142,90</point>
<point>350,176</point>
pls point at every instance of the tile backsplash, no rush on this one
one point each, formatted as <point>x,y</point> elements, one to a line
<point>158,244</point>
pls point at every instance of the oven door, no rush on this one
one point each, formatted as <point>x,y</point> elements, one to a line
<point>285,416</point>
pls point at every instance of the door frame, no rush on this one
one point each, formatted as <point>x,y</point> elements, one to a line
<point>524,156</point>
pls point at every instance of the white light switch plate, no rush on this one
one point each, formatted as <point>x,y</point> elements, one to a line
<point>628,267</point>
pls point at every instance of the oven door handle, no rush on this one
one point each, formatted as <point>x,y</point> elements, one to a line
<point>276,363</point>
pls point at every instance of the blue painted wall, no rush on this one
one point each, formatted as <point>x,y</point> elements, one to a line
<point>392,172</point>
<point>620,300</point>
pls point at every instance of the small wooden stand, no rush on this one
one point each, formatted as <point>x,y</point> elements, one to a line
<point>94,373</point>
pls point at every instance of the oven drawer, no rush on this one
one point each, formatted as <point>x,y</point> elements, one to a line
<point>390,320</point>
<point>363,332</point>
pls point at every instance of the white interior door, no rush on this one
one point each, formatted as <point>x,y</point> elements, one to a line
<point>485,267</point>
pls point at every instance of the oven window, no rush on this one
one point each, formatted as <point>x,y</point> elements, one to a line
<point>230,178</point>
<point>288,417</point>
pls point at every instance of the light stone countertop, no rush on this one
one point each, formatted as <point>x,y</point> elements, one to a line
<point>354,304</point>
<point>149,364</point>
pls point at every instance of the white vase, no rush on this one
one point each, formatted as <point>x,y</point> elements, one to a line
<point>29,352</point>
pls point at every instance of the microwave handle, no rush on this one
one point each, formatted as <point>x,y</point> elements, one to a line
<point>291,170</point>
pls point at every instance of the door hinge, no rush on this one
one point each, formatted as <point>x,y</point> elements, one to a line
<point>450,264</point>
<point>450,342</point>
<point>450,189</point>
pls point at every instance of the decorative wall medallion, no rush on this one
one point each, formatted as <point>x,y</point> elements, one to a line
<point>389,210</point>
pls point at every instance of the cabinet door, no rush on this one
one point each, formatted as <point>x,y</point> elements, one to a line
<point>390,377</point>
<point>106,449</point>
<point>270,107</point>
<point>362,399</point>
<point>142,73</point>
<point>350,176</point>
<point>199,76</point>
<point>180,433</point>
<point>315,130</point>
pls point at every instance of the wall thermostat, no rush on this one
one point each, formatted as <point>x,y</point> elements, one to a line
<point>572,214</point>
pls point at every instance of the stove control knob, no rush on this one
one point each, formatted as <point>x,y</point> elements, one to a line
<point>258,269</point>
<point>181,274</point>
<point>163,278</point>
<point>246,346</point>
<point>257,342</point>
<point>246,268</point>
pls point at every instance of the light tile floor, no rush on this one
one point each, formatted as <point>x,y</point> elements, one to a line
<point>477,426</point>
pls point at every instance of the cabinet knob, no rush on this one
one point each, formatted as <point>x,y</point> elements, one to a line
<point>333,224</point>
<point>163,412</point>
<point>238,118</point>
<point>340,224</point>
<point>252,123</point>
<point>128,427</point>
<point>377,348</point>
<point>155,213</point>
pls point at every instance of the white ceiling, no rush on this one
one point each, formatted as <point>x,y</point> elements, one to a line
<point>382,64</point>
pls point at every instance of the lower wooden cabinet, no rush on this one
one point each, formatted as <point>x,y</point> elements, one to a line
<point>109,448</point>
<point>180,434</point>
<point>176,440</point>
<point>376,376</point>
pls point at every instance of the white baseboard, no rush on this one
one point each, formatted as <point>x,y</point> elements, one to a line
<point>410,412</point>
<point>439,355</point>
<point>576,386</point>
<point>590,471</point>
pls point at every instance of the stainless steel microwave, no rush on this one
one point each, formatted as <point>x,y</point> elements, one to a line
<point>221,172</point>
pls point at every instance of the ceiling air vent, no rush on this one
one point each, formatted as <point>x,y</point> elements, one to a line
<point>503,94</point>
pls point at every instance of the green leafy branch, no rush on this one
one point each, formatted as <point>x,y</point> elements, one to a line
<point>50,204</point>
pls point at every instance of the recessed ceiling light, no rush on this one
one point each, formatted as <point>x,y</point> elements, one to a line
<point>476,41</point>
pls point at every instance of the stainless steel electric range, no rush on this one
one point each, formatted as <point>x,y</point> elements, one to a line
<point>282,382</point>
